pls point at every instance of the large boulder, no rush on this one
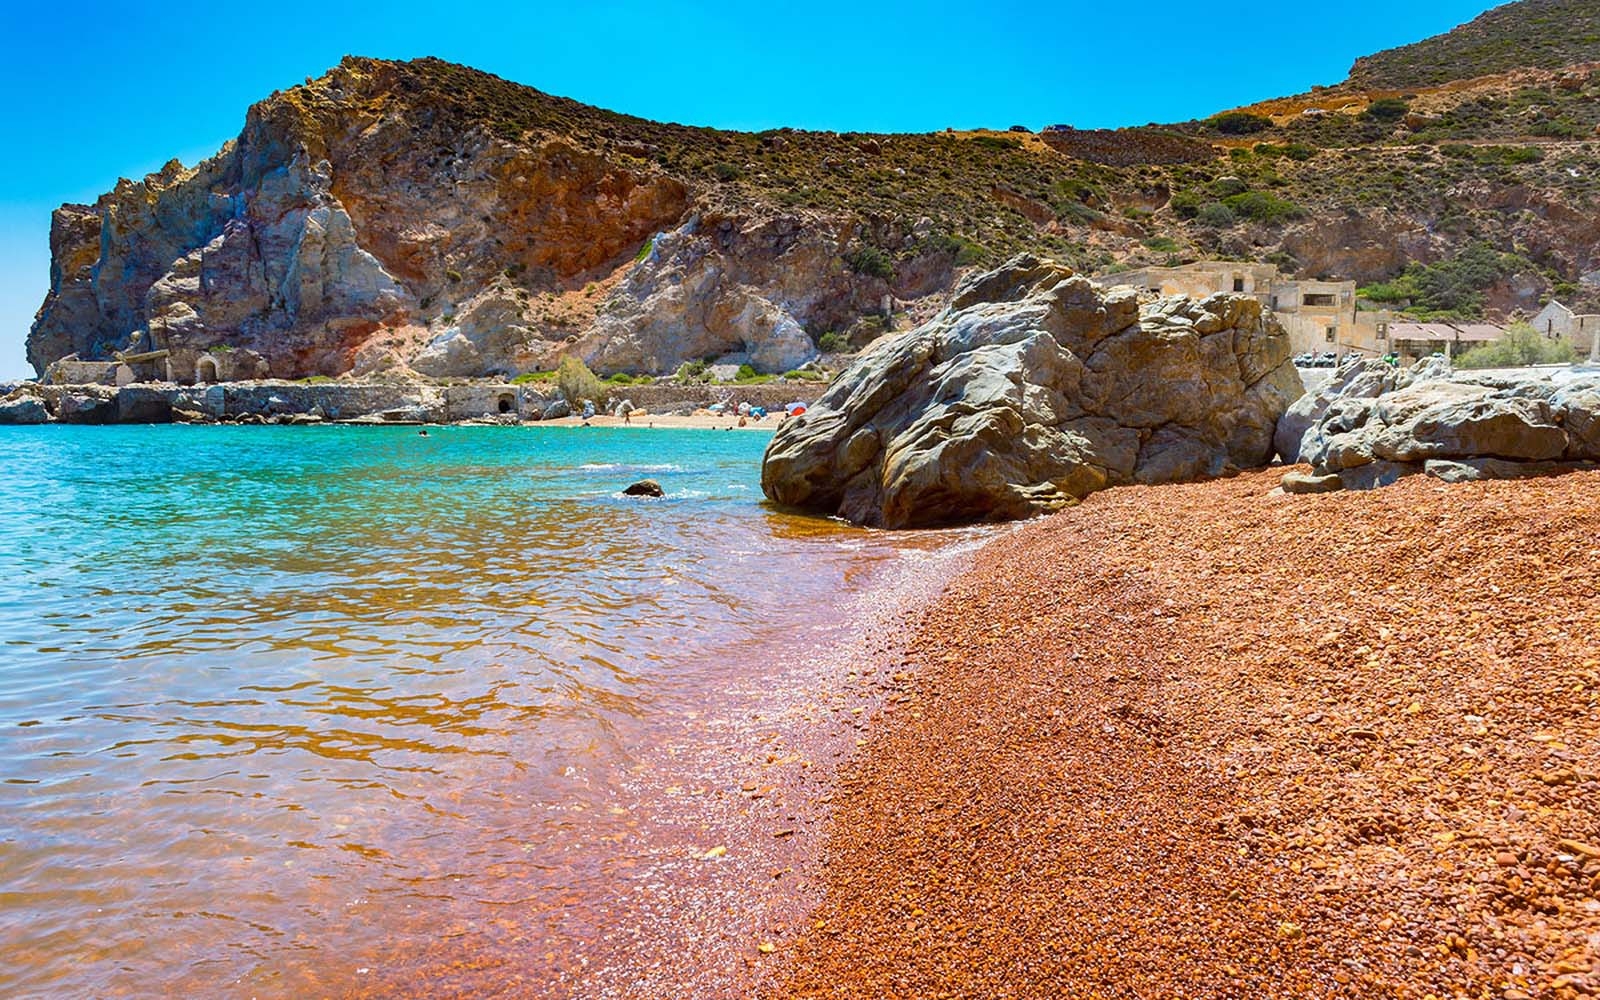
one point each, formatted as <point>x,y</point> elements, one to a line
<point>1032,390</point>
<point>1456,427</point>
<point>88,404</point>
<point>23,410</point>
<point>1355,378</point>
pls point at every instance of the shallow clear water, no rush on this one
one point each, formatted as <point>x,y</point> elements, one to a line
<point>278,705</point>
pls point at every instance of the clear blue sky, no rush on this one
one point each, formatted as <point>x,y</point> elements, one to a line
<point>91,91</point>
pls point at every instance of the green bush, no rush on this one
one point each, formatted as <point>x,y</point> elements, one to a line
<point>527,377</point>
<point>578,383</point>
<point>1227,187</point>
<point>620,378</point>
<point>1449,288</point>
<point>1522,345</point>
<point>871,261</point>
<point>1386,109</point>
<point>963,250</point>
<point>1263,207</point>
<point>691,372</point>
<point>1294,151</point>
<point>832,343</point>
<point>1161,244</point>
<point>1240,123</point>
<point>1216,215</point>
<point>1503,156</point>
<point>725,172</point>
<point>1186,204</point>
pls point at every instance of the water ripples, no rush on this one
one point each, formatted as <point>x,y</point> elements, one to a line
<point>257,683</point>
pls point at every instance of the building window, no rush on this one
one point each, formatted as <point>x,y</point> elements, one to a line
<point>1318,299</point>
<point>1238,284</point>
<point>1274,302</point>
<point>1383,331</point>
<point>1331,333</point>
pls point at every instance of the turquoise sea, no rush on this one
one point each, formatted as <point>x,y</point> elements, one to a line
<point>331,710</point>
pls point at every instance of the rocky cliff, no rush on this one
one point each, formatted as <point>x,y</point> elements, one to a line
<point>423,216</point>
<point>420,216</point>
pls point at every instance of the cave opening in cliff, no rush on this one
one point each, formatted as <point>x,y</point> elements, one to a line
<point>205,369</point>
<point>507,403</point>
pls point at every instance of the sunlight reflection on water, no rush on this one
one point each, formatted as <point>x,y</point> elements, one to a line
<point>255,680</point>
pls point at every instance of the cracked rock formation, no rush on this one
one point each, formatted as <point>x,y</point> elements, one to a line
<point>423,217</point>
<point>1371,425</point>
<point>1032,390</point>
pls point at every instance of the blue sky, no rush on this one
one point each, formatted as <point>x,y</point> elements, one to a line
<point>90,91</point>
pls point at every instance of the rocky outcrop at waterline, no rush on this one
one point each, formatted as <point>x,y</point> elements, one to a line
<point>1033,390</point>
<point>1372,424</point>
<point>373,401</point>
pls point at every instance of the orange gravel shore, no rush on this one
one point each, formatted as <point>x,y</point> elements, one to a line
<point>1207,741</point>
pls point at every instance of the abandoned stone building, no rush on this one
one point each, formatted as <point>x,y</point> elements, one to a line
<point>1419,340</point>
<point>1582,331</point>
<point>1319,316</point>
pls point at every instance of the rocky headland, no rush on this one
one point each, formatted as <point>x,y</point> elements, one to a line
<point>423,217</point>
<point>371,402</point>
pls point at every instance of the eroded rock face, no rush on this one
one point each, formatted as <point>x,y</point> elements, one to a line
<point>724,284</point>
<point>1034,389</point>
<point>1371,425</point>
<point>375,220</point>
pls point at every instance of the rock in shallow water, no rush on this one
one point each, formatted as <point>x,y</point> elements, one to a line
<point>23,410</point>
<point>644,488</point>
<point>1034,389</point>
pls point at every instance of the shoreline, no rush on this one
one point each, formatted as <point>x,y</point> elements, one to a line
<point>725,864</point>
<point>1209,741</point>
<point>664,421</point>
<point>399,403</point>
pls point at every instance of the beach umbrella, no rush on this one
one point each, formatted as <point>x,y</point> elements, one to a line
<point>795,409</point>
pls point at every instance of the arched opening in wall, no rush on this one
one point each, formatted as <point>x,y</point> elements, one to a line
<point>507,403</point>
<point>205,369</point>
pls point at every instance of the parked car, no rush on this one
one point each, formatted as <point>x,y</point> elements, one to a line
<point>1306,360</point>
<point>1328,359</point>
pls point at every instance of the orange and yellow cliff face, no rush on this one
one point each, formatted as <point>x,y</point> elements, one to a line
<point>424,216</point>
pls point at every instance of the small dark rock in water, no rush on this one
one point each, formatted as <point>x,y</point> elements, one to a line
<point>644,488</point>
